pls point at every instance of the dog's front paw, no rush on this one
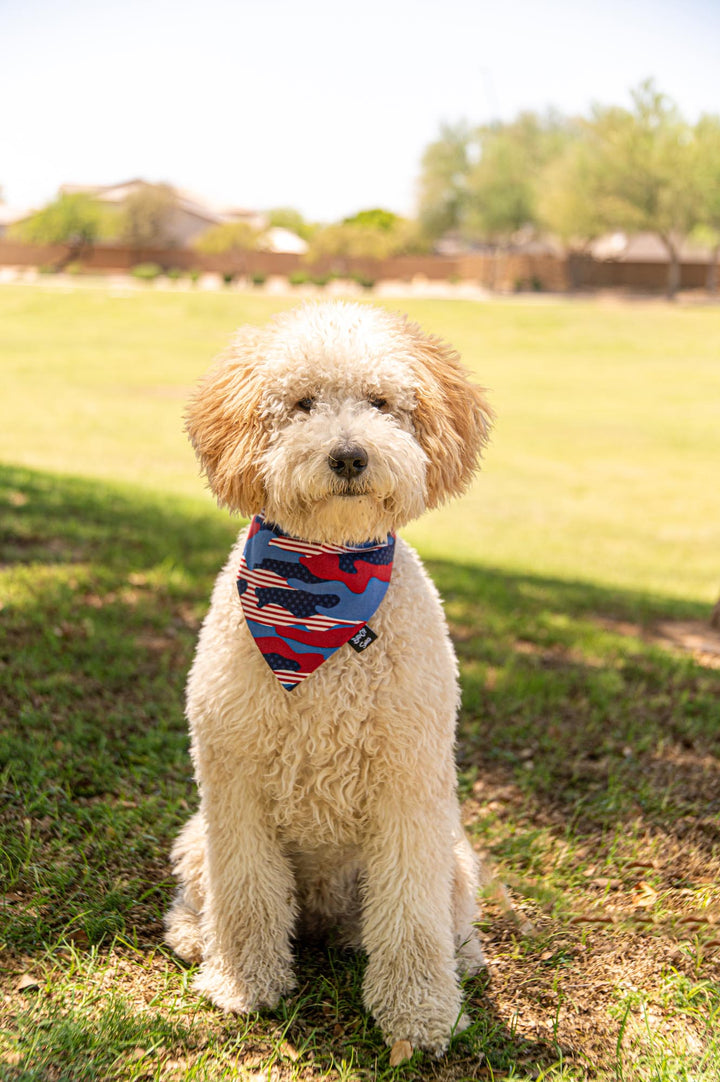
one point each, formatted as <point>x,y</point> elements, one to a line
<point>425,1012</point>
<point>429,1030</point>
<point>231,992</point>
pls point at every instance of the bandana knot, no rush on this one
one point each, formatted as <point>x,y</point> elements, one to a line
<point>303,601</point>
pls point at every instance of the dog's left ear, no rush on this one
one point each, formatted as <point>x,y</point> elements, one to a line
<point>452,417</point>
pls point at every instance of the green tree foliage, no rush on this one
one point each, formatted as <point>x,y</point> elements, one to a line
<point>707,172</point>
<point>483,182</point>
<point>228,238</point>
<point>642,171</point>
<point>289,218</point>
<point>146,216</point>
<point>443,181</point>
<point>376,218</point>
<point>233,240</point>
<point>369,234</point>
<point>564,205</point>
<point>636,169</point>
<point>76,221</point>
<point>503,183</point>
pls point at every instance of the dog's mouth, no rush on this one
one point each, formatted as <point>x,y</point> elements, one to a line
<point>349,491</point>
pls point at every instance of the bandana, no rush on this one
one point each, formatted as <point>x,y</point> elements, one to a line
<point>302,602</point>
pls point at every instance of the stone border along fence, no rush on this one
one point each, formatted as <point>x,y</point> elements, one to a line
<point>502,271</point>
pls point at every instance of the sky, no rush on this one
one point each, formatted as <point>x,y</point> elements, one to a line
<point>321,105</point>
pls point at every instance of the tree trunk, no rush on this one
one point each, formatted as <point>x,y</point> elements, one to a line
<point>715,615</point>
<point>673,275</point>
<point>76,249</point>
<point>712,273</point>
<point>574,264</point>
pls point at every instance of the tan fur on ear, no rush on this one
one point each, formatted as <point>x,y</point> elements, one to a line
<point>452,417</point>
<point>225,428</point>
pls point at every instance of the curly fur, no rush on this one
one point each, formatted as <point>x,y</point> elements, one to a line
<point>332,805</point>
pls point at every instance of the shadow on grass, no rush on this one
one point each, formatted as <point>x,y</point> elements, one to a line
<point>103,594</point>
<point>566,695</point>
<point>322,1029</point>
<point>569,726</point>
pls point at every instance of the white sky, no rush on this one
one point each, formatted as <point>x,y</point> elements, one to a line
<point>319,104</point>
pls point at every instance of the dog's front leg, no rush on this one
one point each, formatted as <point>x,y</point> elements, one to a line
<point>249,908</point>
<point>411,986</point>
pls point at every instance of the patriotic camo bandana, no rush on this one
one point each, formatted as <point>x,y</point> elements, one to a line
<point>302,601</point>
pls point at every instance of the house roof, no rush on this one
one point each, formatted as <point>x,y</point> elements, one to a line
<point>279,239</point>
<point>644,248</point>
<point>189,201</point>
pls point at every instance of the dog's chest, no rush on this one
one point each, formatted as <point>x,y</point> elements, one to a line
<point>326,752</point>
<point>320,753</point>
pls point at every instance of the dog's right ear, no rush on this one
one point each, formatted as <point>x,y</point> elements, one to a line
<point>224,425</point>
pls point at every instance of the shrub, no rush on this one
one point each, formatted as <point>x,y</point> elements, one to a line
<point>147,272</point>
<point>320,279</point>
<point>298,278</point>
<point>174,273</point>
<point>258,278</point>
<point>364,281</point>
<point>194,275</point>
<point>228,278</point>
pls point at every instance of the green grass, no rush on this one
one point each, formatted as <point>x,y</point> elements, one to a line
<point>602,466</point>
<point>588,753</point>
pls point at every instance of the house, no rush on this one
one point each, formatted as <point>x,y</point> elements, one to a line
<point>279,239</point>
<point>643,248</point>
<point>190,217</point>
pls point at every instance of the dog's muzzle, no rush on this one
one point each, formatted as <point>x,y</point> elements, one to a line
<point>347,461</point>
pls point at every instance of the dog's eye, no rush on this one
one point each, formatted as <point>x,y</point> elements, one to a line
<point>378,403</point>
<point>305,404</point>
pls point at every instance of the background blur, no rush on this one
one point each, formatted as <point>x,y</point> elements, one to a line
<point>265,103</point>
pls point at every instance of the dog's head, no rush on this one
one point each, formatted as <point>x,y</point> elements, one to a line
<point>341,421</point>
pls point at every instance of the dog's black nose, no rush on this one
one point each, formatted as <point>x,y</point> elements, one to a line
<point>347,461</point>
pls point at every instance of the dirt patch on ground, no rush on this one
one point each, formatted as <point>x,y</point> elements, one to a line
<point>693,637</point>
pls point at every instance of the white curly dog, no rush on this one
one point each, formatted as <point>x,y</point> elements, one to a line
<point>330,800</point>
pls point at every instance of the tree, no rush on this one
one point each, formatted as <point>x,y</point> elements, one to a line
<point>640,171</point>
<point>146,216</point>
<point>563,205</point>
<point>227,237</point>
<point>376,218</point>
<point>76,221</point>
<point>369,234</point>
<point>289,218</point>
<point>233,239</point>
<point>443,181</point>
<point>500,192</point>
<point>502,184</point>
<point>564,208</point>
<point>483,182</point>
<point>707,158</point>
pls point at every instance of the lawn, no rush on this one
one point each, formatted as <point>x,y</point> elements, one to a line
<point>588,746</point>
<point>602,467</point>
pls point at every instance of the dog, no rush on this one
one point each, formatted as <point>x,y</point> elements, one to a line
<point>326,772</point>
